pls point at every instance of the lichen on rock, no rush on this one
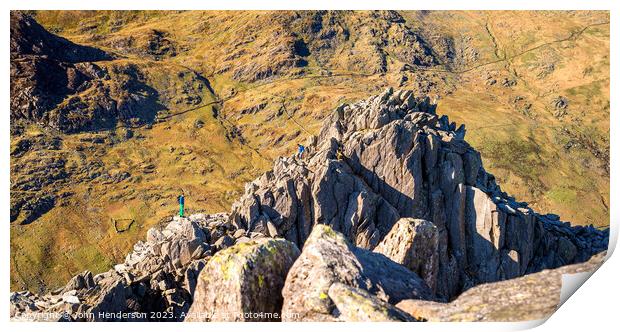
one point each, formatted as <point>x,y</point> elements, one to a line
<point>243,281</point>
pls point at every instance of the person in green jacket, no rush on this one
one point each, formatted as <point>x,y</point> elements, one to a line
<point>181,200</point>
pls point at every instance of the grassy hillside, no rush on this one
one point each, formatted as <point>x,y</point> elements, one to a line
<point>273,77</point>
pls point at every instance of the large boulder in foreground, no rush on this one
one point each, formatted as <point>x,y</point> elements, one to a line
<point>531,297</point>
<point>414,244</point>
<point>244,282</point>
<point>328,258</point>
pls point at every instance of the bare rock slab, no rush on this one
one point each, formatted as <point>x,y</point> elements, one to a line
<point>357,305</point>
<point>328,258</point>
<point>530,297</point>
<point>414,244</point>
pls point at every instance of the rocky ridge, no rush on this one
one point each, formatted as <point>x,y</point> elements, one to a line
<point>391,157</point>
<point>74,88</point>
<point>390,206</point>
<point>45,69</point>
<point>159,275</point>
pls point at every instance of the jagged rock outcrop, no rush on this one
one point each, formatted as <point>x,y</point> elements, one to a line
<point>328,258</point>
<point>390,157</point>
<point>244,282</point>
<point>391,206</point>
<point>159,275</point>
<point>531,297</point>
<point>29,38</point>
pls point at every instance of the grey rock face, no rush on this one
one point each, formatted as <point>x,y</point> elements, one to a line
<point>243,281</point>
<point>224,242</point>
<point>192,273</point>
<point>293,199</point>
<point>357,305</point>
<point>112,296</point>
<point>80,281</point>
<point>531,297</point>
<point>414,244</point>
<point>390,157</point>
<point>328,258</point>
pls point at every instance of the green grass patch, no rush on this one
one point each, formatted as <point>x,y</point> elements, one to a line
<point>562,195</point>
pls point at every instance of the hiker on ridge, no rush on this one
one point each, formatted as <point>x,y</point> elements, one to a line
<point>181,200</point>
<point>300,151</point>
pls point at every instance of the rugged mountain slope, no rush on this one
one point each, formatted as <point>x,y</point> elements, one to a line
<point>82,153</point>
<point>391,157</point>
<point>276,75</point>
<point>30,38</point>
<point>376,164</point>
<point>514,78</point>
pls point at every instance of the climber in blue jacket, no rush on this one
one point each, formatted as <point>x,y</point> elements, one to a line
<point>300,151</point>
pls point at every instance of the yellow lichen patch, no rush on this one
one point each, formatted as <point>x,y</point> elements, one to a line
<point>261,280</point>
